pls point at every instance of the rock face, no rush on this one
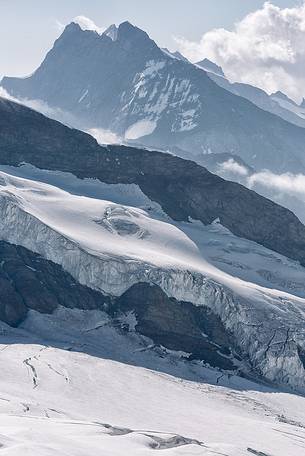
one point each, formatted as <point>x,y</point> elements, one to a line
<point>28,281</point>
<point>160,100</point>
<point>183,188</point>
<point>179,326</point>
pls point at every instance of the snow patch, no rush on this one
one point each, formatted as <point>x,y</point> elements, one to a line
<point>87,24</point>
<point>83,96</point>
<point>140,129</point>
<point>112,32</point>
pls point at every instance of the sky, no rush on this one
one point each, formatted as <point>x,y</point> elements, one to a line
<point>28,28</point>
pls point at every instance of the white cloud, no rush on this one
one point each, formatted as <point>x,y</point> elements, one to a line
<point>286,189</point>
<point>104,136</point>
<point>42,107</point>
<point>266,49</point>
<point>292,184</point>
<point>87,24</point>
<point>231,166</point>
<point>286,183</point>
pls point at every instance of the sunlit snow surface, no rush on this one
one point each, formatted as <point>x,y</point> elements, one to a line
<point>81,391</point>
<point>72,384</point>
<point>120,221</point>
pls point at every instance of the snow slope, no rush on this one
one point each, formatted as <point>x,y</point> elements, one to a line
<point>80,391</point>
<point>110,246</point>
<point>63,205</point>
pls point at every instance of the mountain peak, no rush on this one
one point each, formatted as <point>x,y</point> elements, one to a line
<point>130,31</point>
<point>112,32</point>
<point>211,67</point>
<point>176,55</point>
<point>282,96</point>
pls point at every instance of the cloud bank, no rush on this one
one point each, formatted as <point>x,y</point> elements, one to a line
<point>286,189</point>
<point>266,49</point>
<point>231,166</point>
<point>292,184</point>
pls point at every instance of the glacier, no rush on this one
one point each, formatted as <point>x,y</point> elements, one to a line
<point>73,384</point>
<point>110,246</point>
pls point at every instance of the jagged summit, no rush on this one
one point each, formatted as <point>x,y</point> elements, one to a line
<point>135,89</point>
<point>175,54</point>
<point>210,66</point>
<point>283,97</point>
<point>112,32</point>
<point>180,56</point>
<point>126,31</point>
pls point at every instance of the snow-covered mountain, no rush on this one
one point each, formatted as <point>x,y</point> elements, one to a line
<point>145,303</point>
<point>183,189</point>
<point>115,248</point>
<point>166,245</point>
<point>124,83</point>
<point>83,374</point>
<point>74,384</point>
<point>277,103</point>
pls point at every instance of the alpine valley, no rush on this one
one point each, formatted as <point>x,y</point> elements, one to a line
<point>147,302</point>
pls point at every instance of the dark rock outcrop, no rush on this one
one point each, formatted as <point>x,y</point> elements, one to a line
<point>28,281</point>
<point>183,188</point>
<point>179,326</point>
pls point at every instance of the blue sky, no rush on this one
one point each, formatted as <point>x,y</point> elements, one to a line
<point>28,28</point>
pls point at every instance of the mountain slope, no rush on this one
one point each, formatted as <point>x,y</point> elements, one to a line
<point>170,281</point>
<point>87,399</point>
<point>161,100</point>
<point>181,187</point>
<point>278,104</point>
<point>110,243</point>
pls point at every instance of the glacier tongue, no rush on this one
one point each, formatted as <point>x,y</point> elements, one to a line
<point>110,247</point>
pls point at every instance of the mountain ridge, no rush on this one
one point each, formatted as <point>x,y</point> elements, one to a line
<point>162,100</point>
<point>178,185</point>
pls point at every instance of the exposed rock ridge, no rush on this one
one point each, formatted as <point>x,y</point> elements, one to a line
<point>183,188</point>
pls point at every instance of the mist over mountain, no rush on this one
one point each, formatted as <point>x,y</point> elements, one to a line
<point>126,84</point>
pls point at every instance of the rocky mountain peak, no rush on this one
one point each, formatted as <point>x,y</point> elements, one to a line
<point>112,32</point>
<point>283,97</point>
<point>210,66</point>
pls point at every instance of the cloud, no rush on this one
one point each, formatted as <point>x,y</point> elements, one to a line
<point>231,166</point>
<point>87,24</point>
<point>293,184</point>
<point>266,48</point>
<point>102,136</point>
<point>286,189</point>
<point>42,107</point>
<point>286,183</point>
